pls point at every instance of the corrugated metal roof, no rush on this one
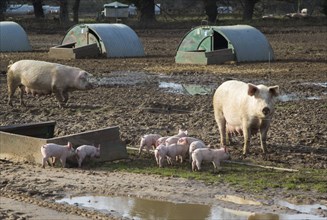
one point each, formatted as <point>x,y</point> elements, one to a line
<point>248,42</point>
<point>13,37</point>
<point>116,40</point>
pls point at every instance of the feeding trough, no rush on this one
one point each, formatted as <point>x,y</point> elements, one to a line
<point>218,44</point>
<point>13,38</point>
<point>112,40</point>
<point>23,142</point>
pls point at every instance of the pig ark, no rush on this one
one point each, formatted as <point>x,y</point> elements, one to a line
<point>46,77</point>
<point>244,107</point>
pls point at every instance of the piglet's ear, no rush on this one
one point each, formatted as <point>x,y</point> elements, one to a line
<point>99,146</point>
<point>252,89</point>
<point>274,90</point>
<point>69,144</point>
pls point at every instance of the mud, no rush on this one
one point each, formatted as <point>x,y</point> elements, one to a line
<point>129,96</point>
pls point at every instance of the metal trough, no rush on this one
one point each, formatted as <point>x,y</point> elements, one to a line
<point>23,142</point>
<point>70,51</point>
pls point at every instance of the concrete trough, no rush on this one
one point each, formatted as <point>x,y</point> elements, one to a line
<point>16,144</point>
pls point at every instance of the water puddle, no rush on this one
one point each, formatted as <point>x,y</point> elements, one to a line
<point>136,208</point>
<point>294,97</point>
<point>186,89</point>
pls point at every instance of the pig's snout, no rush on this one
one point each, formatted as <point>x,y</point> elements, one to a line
<point>266,111</point>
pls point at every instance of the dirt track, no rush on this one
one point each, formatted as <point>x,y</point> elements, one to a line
<point>298,134</point>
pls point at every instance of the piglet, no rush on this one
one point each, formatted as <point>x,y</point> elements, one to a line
<point>148,141</point>
<point>173,139</point>
<point>210,155</point>
<point>56,151</point>
<point>86,151</point>
<point>196,145</point>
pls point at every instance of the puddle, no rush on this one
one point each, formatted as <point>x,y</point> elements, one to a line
<point>186,89</point>
<point>322,84</point>
<point>136,208</point>
<point>172,87</point>
<point>310,209</point>
<point>294,97</point>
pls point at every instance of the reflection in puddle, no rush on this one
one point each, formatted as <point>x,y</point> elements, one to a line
<point>303,208</point>
<point>136,208</point>
<point>294,97</point>
<point>172,87</point>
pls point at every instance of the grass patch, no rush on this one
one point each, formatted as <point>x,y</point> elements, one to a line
<point>250,179</point>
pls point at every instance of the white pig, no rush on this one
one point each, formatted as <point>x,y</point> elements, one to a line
<point>170,152</point>
<point>57,151</point>
<point>195,145</point>
<point>173,139</point>
<point>209,155</point>
<point>46,77</point>
<point>244,107</point>
<point>148,141</point>
<point>160,154</point>
<point>86,151</point>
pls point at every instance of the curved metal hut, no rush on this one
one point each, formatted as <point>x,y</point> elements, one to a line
<point>113,40</point>
<point>13,37</point>
<point>218,44</point>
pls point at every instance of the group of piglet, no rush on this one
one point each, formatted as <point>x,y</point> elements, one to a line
<point>62,152</point>
<point>177,147</point>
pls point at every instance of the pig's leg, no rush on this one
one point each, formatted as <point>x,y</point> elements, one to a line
<point>65,96</point>
<point>247,137</point>
<point>21,88</point>
<point>222,130</point>
<point>263,138</point>
<point>198,164</point>
<point>193,165</point>
<point>63,161</point>
<point>44,160</point>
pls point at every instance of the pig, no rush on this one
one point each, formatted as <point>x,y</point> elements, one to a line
<point>170,152</point>
<point>148,141</point>
<point>207,154</point>
<point>244,108</point>
<point>174,139</point>
<point>86,151</point>
<point>56,151</point>
<point>195,145</point>
<point>45,77</point>
<point>160,154</point>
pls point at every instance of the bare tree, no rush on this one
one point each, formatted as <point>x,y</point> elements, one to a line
<point>64,17</point>
<point>75,10</point>
<point>38,9</point>
<point>248,8</point>
<point>3,7</point>
<point>146,9</point>
<point>210,8</point>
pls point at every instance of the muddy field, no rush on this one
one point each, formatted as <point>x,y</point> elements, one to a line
<point>133,98</point>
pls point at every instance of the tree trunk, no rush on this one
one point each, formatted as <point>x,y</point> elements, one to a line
<point>210,7</point>
<point>248,9</point>
<point>64,18</point>
<point>146,11</point>
<point>38,10</point>
<point>3,7</point>
<point>75,10</point>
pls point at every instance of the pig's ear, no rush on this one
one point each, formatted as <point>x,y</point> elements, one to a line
<point>185,132</point>
<point>82,75</point>
<point>252,89</point>
<point>69,144</point>
<point>274,90</point>
<point>99,146</point>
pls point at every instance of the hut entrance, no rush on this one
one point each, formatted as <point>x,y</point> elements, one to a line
<point>219,42</point>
